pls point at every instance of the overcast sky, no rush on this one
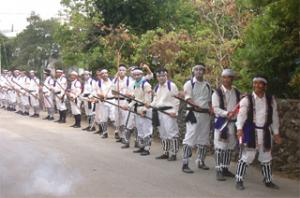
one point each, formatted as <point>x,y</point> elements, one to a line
<point>16,11</point>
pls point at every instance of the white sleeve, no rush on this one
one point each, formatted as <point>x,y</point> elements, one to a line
<point>187,88</point>
<point>216,106</point>
<point>64,83</point>
<point>174,90</point>
<point>242,114</point>
<point>77,88</point>
<point>148,93</point>
<point>148,76</point>
<point>154,102</point>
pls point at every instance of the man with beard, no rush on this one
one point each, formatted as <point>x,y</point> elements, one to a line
<point>198,93</point>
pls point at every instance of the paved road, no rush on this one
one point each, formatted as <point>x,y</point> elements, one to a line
<point>43,159</point>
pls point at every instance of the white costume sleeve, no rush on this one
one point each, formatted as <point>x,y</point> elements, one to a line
<point>216,106</point>
<point>187,88</point>
<point>242,115</point>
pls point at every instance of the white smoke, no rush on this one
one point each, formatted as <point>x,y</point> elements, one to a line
<point>51,177</point>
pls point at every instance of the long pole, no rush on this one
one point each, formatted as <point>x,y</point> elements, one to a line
<point>103,100</point>
<point>118,88</point>
<point>0,59</point>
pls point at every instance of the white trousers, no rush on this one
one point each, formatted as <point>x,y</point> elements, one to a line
<point>231,141</point>
<point>89,111</point>
<point>143,125</point>
<point>248,155</point>
<point>48,101</point>
<point>34,101</point>
<point>25,100</point>
<point>60,103</point>
<point>75,107</point>
<point>120,114</point>
<point>198,133</point>
<point>12,97</point>
<point>168,127</point>
<point>104,111</point>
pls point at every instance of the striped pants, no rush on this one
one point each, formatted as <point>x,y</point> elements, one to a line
<point>222,158</point>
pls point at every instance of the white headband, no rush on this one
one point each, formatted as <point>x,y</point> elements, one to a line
<point>122,66</point>
<point>137,71</point>
<point>162,73</point>
<point>103,71</point>
<point>260,79</point>
<point>86,73</point>
<point>198,66</point>
<point>59,71</point>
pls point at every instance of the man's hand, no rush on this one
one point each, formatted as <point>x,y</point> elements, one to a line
<point>147,105</point>
<point>211,110</point>
<point>181,94</point>
<point>124,107</point>
<point>145,66</point>
<point>240,133</point>
<point>101,96</point>
<point>230,115</point>
<point>173,115</point>
<point>143,114</point>
<point>277,139</point>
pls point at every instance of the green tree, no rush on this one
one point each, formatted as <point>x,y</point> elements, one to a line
<point>271,47</point>
<point>140,15</point>
<point>34,45</point>
<point>6,51</point>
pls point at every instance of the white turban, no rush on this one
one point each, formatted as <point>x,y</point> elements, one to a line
<point>74,73</point>
<point>86,73</point>
<point>228,72</point>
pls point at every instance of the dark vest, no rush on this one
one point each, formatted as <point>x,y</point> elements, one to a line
<point>219,122</point>
<point>221,97</point>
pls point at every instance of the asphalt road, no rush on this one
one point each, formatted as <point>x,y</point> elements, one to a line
<point>40,158</point>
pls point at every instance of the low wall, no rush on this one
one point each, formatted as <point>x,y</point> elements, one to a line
<point>286,157</point>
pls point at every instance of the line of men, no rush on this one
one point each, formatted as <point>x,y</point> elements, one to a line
<point>129,102</point>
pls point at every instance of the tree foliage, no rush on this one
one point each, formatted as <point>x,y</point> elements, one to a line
<point>271,47</point>
<point>252,36</point>
<point>34,45</point>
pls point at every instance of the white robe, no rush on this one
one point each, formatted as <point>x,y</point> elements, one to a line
<point>198,133</point>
